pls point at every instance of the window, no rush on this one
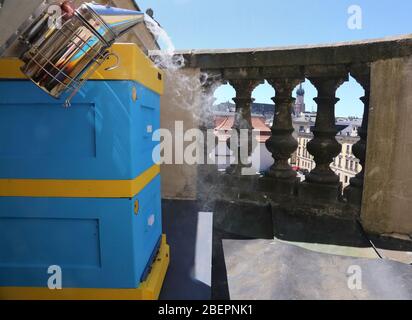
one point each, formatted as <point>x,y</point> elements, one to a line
<point>348,149</point>
<point>340,162</point>
<point>347,164</point>
<point>346,179</point>
<point>351,165</point>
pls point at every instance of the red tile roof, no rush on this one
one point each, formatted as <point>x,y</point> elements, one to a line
<point>224,124</point>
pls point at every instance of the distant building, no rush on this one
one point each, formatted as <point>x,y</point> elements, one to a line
<point>259,109</point>
<point>300,106</point>
<point>224,107</point>
<point>346,165</point>
<point>264,109</point>
<point>223,121</point>
<point>268,110</point>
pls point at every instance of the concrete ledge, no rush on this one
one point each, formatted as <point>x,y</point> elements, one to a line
<point>243,219</point>
<point>277,189</point>
<point>319,193</point>
<point>301,225</point>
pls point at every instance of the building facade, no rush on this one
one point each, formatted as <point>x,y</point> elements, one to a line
<point>261,158</point>
<point>346,165</point>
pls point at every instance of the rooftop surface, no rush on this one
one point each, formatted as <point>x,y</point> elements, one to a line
<point>277,269</point>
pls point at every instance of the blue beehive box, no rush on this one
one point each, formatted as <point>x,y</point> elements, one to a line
<point>78,186</point>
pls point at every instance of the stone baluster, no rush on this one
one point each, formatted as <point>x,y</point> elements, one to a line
<point>242,121</point>
<point>282,144</point>
<point>210,82</point>
<point>353,193</point>
<point>207,120</point>
<point>324,147</point>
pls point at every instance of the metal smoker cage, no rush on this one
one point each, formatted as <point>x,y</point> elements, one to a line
<point>49,74</point>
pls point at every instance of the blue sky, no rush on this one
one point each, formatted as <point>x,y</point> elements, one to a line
<point>213,24</point>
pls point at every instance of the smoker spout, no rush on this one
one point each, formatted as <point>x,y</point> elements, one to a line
<point>118,20</point>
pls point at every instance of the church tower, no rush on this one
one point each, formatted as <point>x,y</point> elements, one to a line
<point>300,101</point>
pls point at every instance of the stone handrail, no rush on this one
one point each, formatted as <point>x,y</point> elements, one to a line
<point>339,53</point>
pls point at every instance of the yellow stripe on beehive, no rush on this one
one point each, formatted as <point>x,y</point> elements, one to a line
<point>148,290</point>
<point>134,65</point>
<point>77,188</point>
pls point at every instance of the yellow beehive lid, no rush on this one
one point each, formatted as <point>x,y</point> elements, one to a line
<point>134,65</point>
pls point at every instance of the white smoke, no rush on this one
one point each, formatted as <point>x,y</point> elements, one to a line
<point>186,86</point>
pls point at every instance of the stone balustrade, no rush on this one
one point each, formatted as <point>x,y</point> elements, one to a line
<point>327,68</point>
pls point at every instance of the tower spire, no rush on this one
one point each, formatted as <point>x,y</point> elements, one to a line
<point>300,101</point>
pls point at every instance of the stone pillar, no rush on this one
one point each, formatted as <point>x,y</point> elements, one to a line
<point>353,193</point>
<point>387,194</point>
<point>242,121</point>
<point>207,120</point>
<point>322,183</point>
<point>324,147</point>
<point>282,144</point>
<point>210,81</point>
